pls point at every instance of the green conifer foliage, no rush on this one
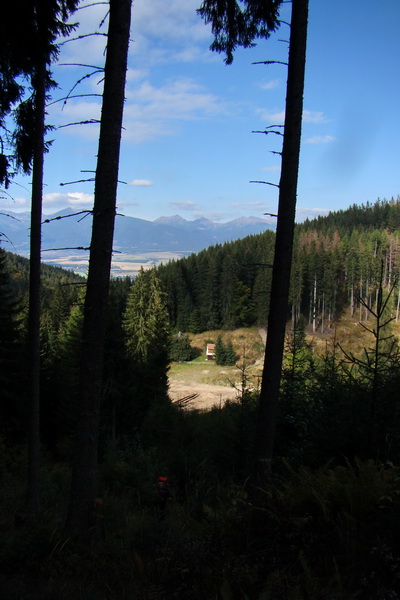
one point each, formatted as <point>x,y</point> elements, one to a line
<point>147,338</point>
<point>220,352</point>
<point>11,359</point>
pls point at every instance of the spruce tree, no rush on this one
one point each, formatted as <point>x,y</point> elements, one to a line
<point>147,335</point>
<point>220,352</point>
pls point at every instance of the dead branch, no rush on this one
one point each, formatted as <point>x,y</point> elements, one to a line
<point>66,248</point>
<point>81,37</point>
<point>270,62</point>
<point>59,217</point>
<point>71,97</point>
<point>266,183</point>
<point>267,132</point>
<point>78,181</point>
<point>89,122</point>
<point>183,402</point>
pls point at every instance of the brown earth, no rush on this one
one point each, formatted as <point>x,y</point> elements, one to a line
<point>208,395</point>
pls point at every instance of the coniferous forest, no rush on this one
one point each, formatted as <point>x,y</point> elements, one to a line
<point>110,489</point>
<point>325,523</point>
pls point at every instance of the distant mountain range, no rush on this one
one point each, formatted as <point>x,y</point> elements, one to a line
<point>132,236</point>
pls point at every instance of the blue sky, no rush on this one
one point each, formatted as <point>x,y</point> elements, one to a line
<point>188,146</point>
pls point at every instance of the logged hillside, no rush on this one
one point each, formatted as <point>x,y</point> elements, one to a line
<point>339,263</point>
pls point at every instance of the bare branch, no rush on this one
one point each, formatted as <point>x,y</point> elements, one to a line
<point>78,181</point>
<point>267,132</point>
<point>270,62</point>
<point>67,248</point>
<point>11,217</point>
<point>82,65</point>
<point>81,37</point>
<point>3,235</point>
<point>76,96</point>
<point>97,70</point>
<point>271,214</point>
<point>59,217</point>
<point>92,4</point>
<point>89,122</point>
<point>266,183</point>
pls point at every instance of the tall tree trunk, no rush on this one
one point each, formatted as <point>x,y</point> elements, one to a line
<point>269,395</point>
<point>39,84</point>
<point>84,469</point>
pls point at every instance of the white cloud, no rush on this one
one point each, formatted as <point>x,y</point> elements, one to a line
<point>313,116</point>
<point>320,139</point>
<point>274,169</point>
<point>153,111</point>
<point>187,206</point>
<point>272,116</point>
<point>15,204</point>
<point>74,200</point>
<point>141,182</point>
<point>270,85</point>
<point>278,116</point>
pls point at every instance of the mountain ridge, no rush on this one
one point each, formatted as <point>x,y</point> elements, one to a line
<point>65,229</point>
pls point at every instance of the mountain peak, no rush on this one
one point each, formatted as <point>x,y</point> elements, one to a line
<point>173,220</point>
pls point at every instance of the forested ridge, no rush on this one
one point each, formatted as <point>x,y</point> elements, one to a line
<point>337,260</point>
<point>327,520</point>
<point>337,447</point>
<point>111,490</point>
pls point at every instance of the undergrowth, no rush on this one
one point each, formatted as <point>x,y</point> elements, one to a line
<point>330,533</point>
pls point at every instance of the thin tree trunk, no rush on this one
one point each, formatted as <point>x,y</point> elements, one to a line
<point>34,291</point>
<point>269,394</point>
<point>81,515</point>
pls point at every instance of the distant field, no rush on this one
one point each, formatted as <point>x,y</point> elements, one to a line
<point>123,264</point>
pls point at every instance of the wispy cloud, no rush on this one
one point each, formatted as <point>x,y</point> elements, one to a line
<point>141,182</point>
<point>272,116</point>
<point>320,139</point>
<point>152,111</point>
<point>74,200</point>
<point>270,85</point>
<point>314,116</point>
<point>273,169</point>
<point>278,116</point>
<point>186,206</point>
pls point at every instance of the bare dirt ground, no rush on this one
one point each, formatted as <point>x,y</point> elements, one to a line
<point>208,395</point>
<point>213,385</point>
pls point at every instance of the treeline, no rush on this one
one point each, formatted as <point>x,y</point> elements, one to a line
<point>334,485</point>
<point>338,263</point>
<point>137,352</point>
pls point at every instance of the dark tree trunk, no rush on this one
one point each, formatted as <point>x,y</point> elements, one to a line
<point>278,311</point>
<point>81,515</point>
<point>39,83</point>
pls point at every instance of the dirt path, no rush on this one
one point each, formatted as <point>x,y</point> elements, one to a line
<point>208,395</point>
